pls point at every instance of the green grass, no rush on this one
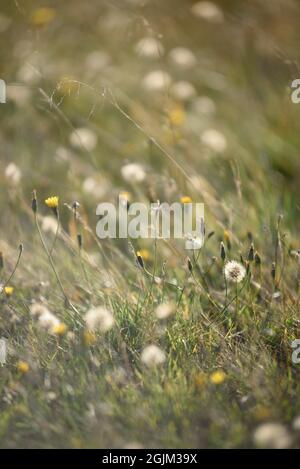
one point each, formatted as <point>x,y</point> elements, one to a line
<point>100,394</point>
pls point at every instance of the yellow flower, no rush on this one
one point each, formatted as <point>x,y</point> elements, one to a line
<point>52,202</point>
<point>262,413</point>
<point>200,380</point>
<point>125,195</point>
<point>89,337</point>
<point>23,367</point>
<point>144,253</point>
<point>60,329</point>
<point>42,16</point>
<point>8,291</point>
<point>226,235</point>
<point>217,377</point>
<point>185,199</point>
<point>177,116</point>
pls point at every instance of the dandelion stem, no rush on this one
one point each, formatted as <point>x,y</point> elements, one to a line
<point>14,269</point>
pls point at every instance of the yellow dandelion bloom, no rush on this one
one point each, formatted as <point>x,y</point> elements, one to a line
<point>200,380</point>
<point>262,413</point>
<point>125,195</point>
<point>145,254</point>
<point>60,329</point>
<point>42,16</point>
<point>177,116</point>
<point>226,235</point>
<point>52,202</point>
<point>89,337</point>
<point>185,199</point>
<point>23,367</point>
<point>217,377</point>
<point>8,291</point>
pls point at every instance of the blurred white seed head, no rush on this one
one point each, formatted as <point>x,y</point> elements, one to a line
<point>49,224</point>
<point>38,309</point>
<point>97,60</point>
<point>3,351</point>
<point>183,90</point>
<point>182,57</point>
<point>13,173</point>
<point>204,105</point>
<point>157,80</point>
<point>83,137</point>
<point>99,319</point>
<point>164,310</point>
<point>234,271</point>
<point>153,356</point>
<point>208,11</point>
<point>296,423</point>
<point>149,47</point>
<point>92,186</point>
<point>272,436</point>
<point>133,172</point>
<point>215,140</point>
<point>48,321</point>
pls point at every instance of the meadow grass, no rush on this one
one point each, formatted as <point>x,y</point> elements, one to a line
<point>79,109</point>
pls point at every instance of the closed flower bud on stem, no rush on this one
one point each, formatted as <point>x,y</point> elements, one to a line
<point>34,204</point>
<point>251,253</point>
<point>257,259</point>
<point>222,251</point>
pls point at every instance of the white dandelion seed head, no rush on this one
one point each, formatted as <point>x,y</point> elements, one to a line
<point>3,350</point>
<point>152,356</point>
<point>149,47</point>
<point>296,423</point>
<point>97,60</point>
<point>208,11</point>
<point>48,321</point>
<point>157,80</point>
<point>99,319</point>
<point>38,309</point>
<point>215,140</point>
<point>182,57</point>
<point>272,436</point>
<point>164,310</point>
<point>49,224</point>
<point>183,90</point>
<point>13,173</point>
<point>92,186</point>
<point>83,137</point>
<point>133,172</point>
<point>204,105</point>
<point>234,271</point>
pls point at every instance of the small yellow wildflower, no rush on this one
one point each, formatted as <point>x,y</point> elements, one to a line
<point>217,377</point>
<point>226,235</point>
<point>200,380</point>
<point>125,195</point>
<point>177,116</point>
<point>23,367</point>
<point>89,337</point>
<point>8,291</point>
<point>145,254</point>
<point>52,202</point>
<point>42,16</point>
<point>185,199</point>
<point>60,329</point>
<point>262,413</point>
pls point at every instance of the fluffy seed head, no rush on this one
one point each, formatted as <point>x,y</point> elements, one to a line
<point>152,356</point>
<point>234,271</point>
<point>273,436</point>
<point>99,319</point>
